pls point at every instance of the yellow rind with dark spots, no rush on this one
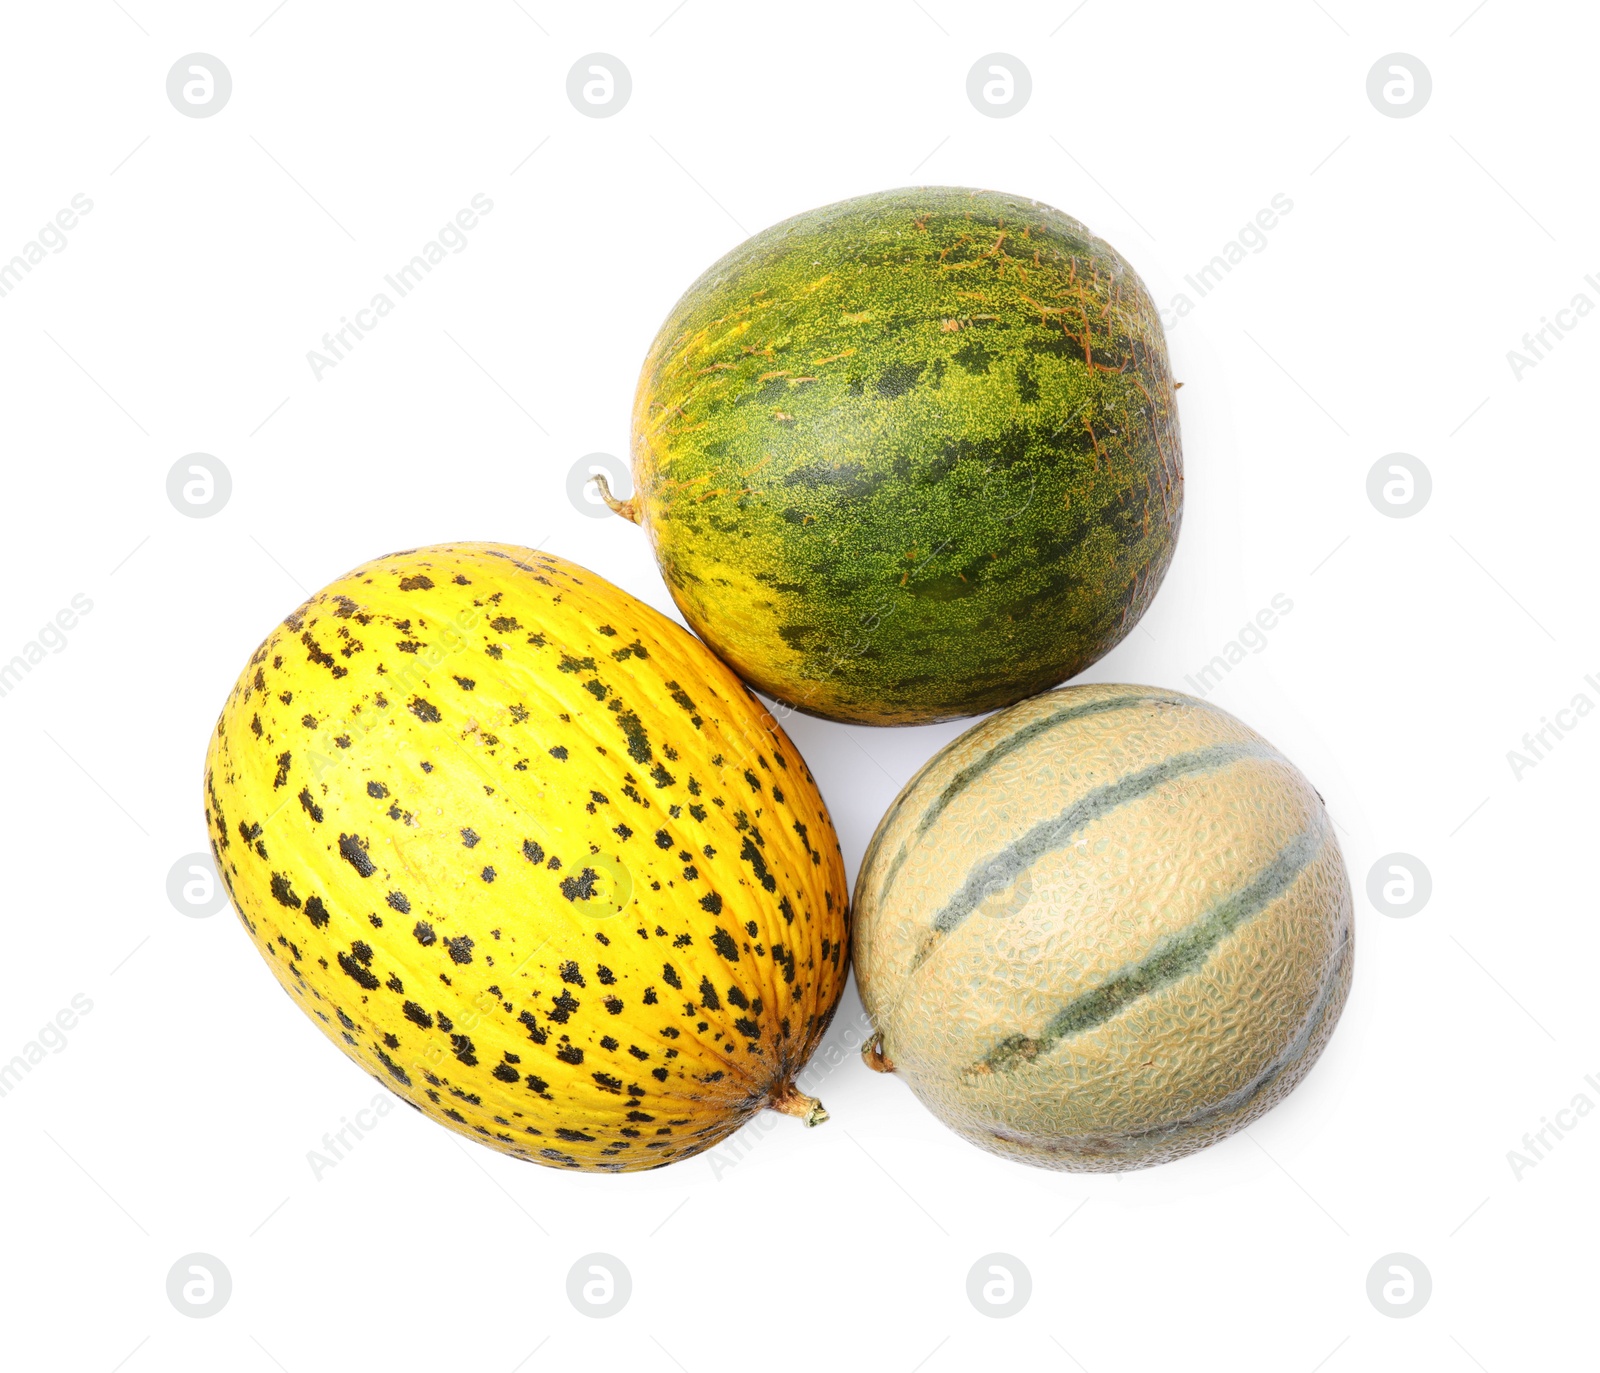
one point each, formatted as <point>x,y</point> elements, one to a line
<point>530,855</point>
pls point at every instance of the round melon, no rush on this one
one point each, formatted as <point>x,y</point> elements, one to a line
<point>911,456</point>
<point>531,856</point>
<point>1103,929</point>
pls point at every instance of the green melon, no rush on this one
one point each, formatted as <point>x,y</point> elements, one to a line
<point>911,456</point>
<point>1103,929</point>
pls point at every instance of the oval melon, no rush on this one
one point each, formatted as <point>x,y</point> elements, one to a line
<point>911,456</point>
<point>1103,929</point>
<point>530,855</point>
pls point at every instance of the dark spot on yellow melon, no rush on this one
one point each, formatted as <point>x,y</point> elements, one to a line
<point>395,1070</point>
<point>758,865</point>
<point>353,848</point>
<point>354,969</point>
<point>580,887</point>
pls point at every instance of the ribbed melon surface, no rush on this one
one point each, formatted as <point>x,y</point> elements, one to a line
<point>1103,929</point>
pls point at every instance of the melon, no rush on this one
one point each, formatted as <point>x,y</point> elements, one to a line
<point>911,456</point>
<point>1103,929</point>
<point>524,850</point>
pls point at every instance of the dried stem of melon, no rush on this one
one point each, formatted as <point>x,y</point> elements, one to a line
<point>793,1102</point>
<point>873,1056</point>
<point>623,508</point>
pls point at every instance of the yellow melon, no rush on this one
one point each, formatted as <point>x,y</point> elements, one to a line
<point>1103,929</point>
<point>530,855</point>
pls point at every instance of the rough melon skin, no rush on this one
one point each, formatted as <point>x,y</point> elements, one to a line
<point>911,456</point>
<point>1103,929</point>
<point>530,855</point>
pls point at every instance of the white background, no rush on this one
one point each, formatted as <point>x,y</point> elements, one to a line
<point>177,319</point>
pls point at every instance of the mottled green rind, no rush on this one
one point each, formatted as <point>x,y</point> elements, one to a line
<point>911,456</point>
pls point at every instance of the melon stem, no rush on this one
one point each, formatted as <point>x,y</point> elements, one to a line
<point>792,1102</point>
<point>873,1056</point>
<point>623,508</point>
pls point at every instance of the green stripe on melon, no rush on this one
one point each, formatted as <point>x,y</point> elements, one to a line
<point>1103,929</point>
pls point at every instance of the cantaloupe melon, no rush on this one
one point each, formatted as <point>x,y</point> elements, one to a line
<point>1103,929</point>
